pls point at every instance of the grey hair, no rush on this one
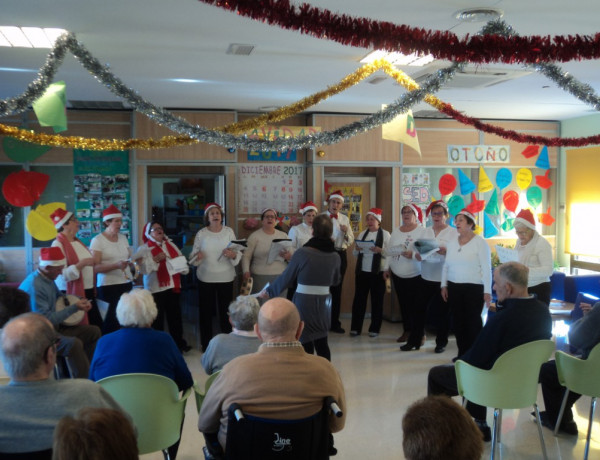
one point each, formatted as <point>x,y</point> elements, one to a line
<point>243,312</point>
<point>24,353</point>
<point>136,308</point>
<point>515,273</point>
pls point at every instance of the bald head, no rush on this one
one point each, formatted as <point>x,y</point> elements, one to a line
<point>279,321</point>
<point>25,342</point>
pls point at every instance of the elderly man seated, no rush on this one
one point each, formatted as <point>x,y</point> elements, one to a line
<point>32,404</point>
<point>243,313</point>
<point>77,342</point>
<point>279,381</point>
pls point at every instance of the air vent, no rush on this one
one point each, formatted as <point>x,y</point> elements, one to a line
<point>474,78</point>
<point>97,105</point>
<point>429,114</point>
<point>376,80</point>
<point>240,49</point>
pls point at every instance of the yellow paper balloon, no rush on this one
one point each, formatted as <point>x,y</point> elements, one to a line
<point>46,210</point>
<point>39,225</point>
<point>478,230</point>
<point>524,177</point>
<point>485,184</point>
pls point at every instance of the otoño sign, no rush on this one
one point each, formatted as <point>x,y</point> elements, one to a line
<point>478,154</point>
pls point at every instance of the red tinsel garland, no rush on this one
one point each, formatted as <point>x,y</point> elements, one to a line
<point>518,137</point>
<point>366,33</point>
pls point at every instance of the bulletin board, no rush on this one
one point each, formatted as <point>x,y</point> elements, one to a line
<point>270,185</point>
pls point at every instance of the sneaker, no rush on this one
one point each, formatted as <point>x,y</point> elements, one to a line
<point>354,333</point>
<point>373,334</point>
<point>485,430</point>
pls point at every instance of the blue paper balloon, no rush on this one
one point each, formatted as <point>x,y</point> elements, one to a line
<point>466,184</point>
<point>543,162</point>
<point>503,178</point>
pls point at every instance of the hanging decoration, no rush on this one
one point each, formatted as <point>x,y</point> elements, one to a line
<point>546,218</point>
<point>475,205</point>
<point>455,205</point>
<point>22,151</point>
<point>523,178</point>
<point>366,33</point>
<point>447,184</point>
<point>466,184</point>
<point>508,223</point>
<point>39,224</point>
<point>543,162</point>
<point>511,200</point>
<point>503,178</point>
<point>489,229</point>
<point>534,196</point>
<point>23,188</point>
<point>544,181</point>
<point>50,108</point>
<point>493,208</point>
<point>530,151</point>
<point>485,184</point>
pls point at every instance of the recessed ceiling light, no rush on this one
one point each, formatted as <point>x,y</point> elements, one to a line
<point>29,37</point>
<point>478,14</point>
<point>414,59</point>
<point>186,80</point>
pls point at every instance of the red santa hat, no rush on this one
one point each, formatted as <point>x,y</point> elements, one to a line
<point>60,217</point>
<point>464,212</point>
<point>147,236</point>
<point>435,203</point>
<point>525,217</point>
<point>308,206</point>
<point>112,212</point>
<point>376,213</point>
<point>336,194</point>
<point>209,206</point>
<point>52,256</point>
<point>417,210</point>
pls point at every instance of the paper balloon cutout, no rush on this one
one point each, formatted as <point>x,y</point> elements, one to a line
<point>543,162</point>
<point>478,230</point>
<point>511,200</point>
<point>503,178</point>
<point>489,229</point>
<point>534,196</point>
<point>508,224</point>
<point>50,107</point>
<point>546,218</point>
<point>447,184</point>
<point>544,181</point>
<point>475,205</point>
<point>455,205</point>
<point>530,151</point>
<point>493,208</point>
<point>466,184</point>
<point>485,184</point>
<point>24,188</point>
<point>524,177</point>
<point>22,151</point>
<point>39,225</point>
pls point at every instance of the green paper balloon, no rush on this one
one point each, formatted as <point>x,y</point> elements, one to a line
<point>455,204</point>
<point>507,225</point>
<point>22,151</point>
<point>534,196</point>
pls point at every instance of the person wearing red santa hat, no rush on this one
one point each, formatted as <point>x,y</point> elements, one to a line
<point>78,277</point>
<point>111,253</point>
<point>466,280</point>
<point>405,269</point>
<point>301,233</point>
<point>215,263</point>
<point>77,343</point>
<point>163,283</point>
<point>343,238</point>
<point>370,267</point>
<point>535,253</point>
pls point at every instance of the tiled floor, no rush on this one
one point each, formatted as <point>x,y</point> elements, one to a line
<point>381,382</point>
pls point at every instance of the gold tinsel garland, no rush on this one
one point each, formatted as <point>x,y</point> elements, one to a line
<point>77,142</point>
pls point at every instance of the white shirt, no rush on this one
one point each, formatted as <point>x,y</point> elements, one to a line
<point>431,268</point>
<point>72,273</point>
<point>213,268</point>
<point>537,256</point>
<point>150,269</point>
<point>112,253</point>
<point>470,263</point>
<point>400,265</point>
<point>300,234</point>
<point>340,239</point>
<point>367,259</point>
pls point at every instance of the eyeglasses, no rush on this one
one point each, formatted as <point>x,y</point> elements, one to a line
<point>438,214</point>
<point>156,229</point>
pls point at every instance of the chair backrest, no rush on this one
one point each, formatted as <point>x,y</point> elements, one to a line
<point>256,438</point>
<point>511,383</point>
<point>580,375</point>
<point>154,405</point>
<point>198,394</point>
<point>37,455</point>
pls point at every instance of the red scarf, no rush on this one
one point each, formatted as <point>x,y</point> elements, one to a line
<point>74,287</point>
<point>164,277</point>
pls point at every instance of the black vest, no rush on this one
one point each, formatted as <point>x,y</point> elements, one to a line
<point>376,265</point>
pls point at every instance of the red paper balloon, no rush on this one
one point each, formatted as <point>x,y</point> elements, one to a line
<point>447,184</point>
<point>24,188</point>
<point>475,205</point>
<point>511,200</point>
<point>530,151</point>
<point>544,181</point>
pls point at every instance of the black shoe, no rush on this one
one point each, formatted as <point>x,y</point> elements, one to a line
<point>338,330</point>
<point>409,347</point>
<point>439,349</point>
<point>567,427</point>
<point>485,430</point>
<point>185,348</point>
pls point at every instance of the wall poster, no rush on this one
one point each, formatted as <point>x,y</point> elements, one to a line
<point>101,179</point>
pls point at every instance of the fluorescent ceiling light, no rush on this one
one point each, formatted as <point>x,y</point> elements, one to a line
<point>186,80</point>
<point>29,37</point>
<point>399,59</point>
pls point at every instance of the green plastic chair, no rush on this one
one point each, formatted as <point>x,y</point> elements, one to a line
<point>511,384</point>
<point>581,376</point>
<point>198,392</point>
<point>154,405</point>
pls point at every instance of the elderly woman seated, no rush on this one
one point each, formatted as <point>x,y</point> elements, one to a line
<point>243,314</point>
<point>136,347</point>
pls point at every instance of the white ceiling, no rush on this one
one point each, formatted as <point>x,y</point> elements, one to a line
<point>149,42</point>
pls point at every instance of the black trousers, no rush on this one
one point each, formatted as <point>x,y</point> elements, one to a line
<point>213,298</point>
<point>111,294</point>
<point>167,303</point>
<point>408,291</point>
<point>441,380</point>
<point>554,393</point>
<point>366,282</point>
<point>94,316</point>
<point>466,303</point>
<point>320,345</point>
<point>336,292</point>
<point>438,310</point>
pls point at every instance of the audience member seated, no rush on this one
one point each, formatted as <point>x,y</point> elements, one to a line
<point>243,313</point>
<point>13,302</point>
<point>584,335</point>
<point>32,404</point>
<point>437,428</point>
<point>95,434</point>
<point>77,342</point>
<point>520,318</point>
<point>138,348</point>
<point>279,381</point>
